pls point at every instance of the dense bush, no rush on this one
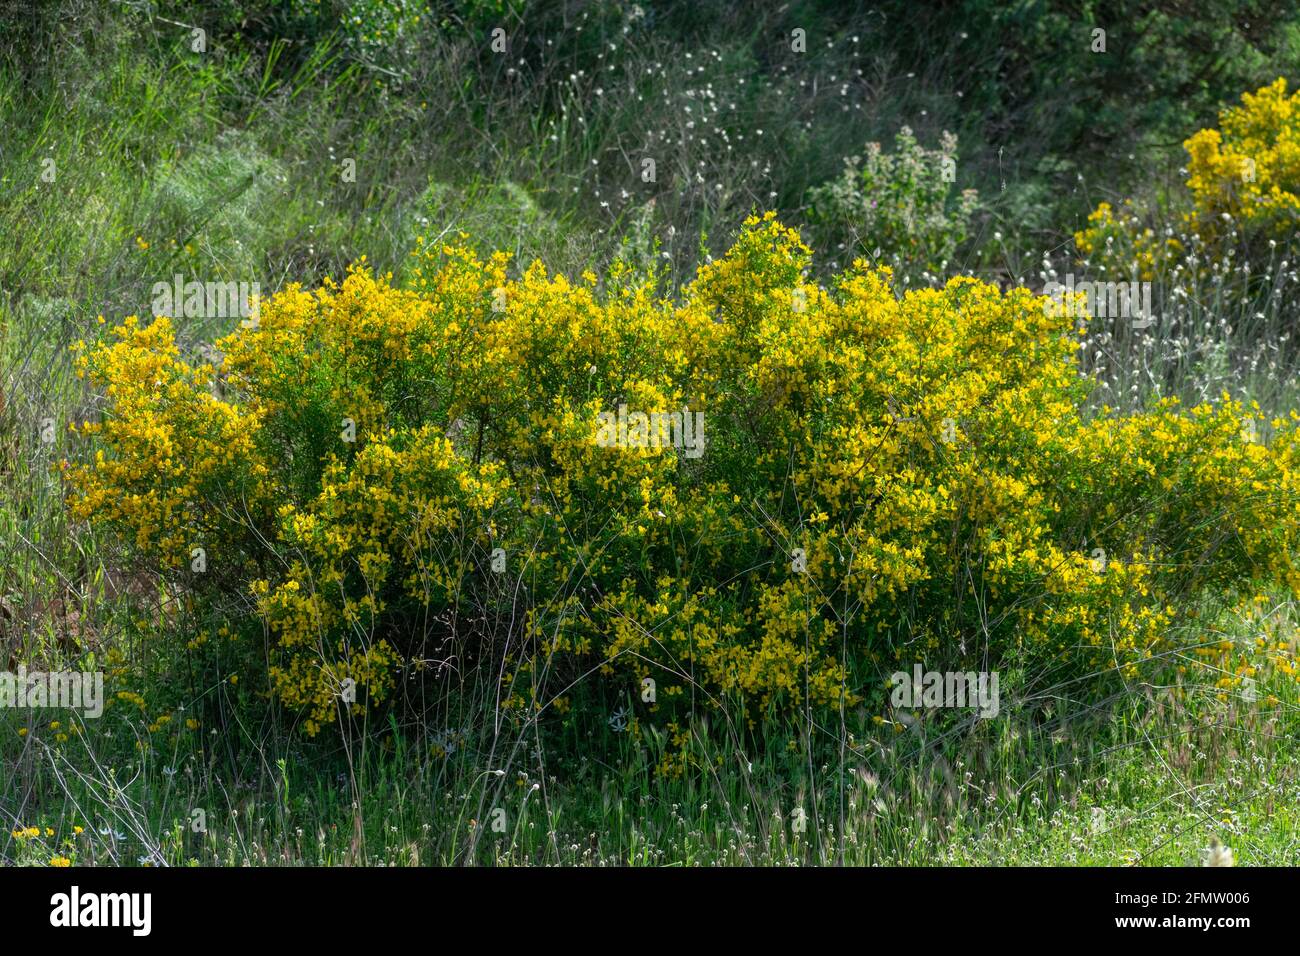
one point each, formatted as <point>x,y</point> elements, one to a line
<point>884,480</point>
<point>896,206</point>
<point>1044,80</point>
<point>1218,249</point>
<point>1243,187</point>
<point>1251,169</point>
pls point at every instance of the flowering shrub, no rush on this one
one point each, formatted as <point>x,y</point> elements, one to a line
<point>1219,257</point>
<point>898,203</point>
<point>1123,242</point>
<point>1244,176</point>
<point>1251,169</point>
<point>42,846</point>
<point>392,473</point>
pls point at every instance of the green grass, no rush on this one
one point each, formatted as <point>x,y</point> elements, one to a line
<point>1149,783</point>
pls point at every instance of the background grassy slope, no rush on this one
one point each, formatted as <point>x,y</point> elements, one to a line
<point>228,164</point>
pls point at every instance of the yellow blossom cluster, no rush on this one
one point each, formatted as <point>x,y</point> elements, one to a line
<point>409,475</point>
<point>1244,175</point>
<point>173,455</point>
<point>1250,168</point>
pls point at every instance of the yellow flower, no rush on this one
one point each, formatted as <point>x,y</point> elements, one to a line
<point>392,449</point>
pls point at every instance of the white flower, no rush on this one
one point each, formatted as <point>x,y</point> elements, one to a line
<point>1217,854</point>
